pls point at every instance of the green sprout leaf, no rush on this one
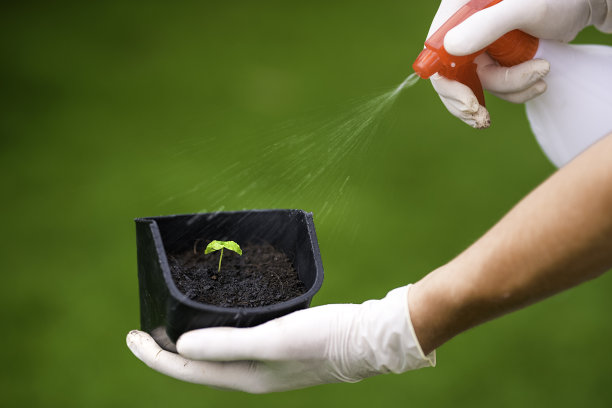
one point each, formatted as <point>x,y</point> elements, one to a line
<point>216,245</point>
<point>221,245</point>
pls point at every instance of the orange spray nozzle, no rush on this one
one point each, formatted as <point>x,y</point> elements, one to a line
<point>511,49</point>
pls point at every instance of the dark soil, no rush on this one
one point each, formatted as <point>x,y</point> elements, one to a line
<point>261,276</point>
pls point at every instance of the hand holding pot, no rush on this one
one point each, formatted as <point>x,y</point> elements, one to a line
<point>325,344</point>
<point>547,19</point>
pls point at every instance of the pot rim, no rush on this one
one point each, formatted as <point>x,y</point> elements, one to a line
<point>181,297</point>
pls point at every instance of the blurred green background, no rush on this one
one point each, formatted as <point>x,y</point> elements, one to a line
<point>115,110</point>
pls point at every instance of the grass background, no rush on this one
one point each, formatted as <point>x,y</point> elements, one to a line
<point>114,110</point>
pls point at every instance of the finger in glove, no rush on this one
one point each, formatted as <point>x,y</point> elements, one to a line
<point>510,80</point>
<point>455,94</point>
<point>525,95</point>
<point>233,375</point>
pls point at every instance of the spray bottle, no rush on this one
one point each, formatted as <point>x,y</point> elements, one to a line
<point>576,109</point>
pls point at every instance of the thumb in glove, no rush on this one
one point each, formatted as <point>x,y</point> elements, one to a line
<point>559,20</point>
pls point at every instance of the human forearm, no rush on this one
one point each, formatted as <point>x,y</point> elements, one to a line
<point>557,237</point>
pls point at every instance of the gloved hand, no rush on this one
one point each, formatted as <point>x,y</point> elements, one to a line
<point>325,344</point>
<point>547,19</point>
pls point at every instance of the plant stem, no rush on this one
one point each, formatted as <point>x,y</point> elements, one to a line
<point>220,258</point>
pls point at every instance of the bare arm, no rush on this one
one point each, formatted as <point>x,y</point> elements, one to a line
<point>557,237</point>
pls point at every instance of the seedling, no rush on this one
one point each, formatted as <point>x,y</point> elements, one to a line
<point>216,245</point>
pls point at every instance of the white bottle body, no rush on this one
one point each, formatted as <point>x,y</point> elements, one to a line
<point>576,109</point>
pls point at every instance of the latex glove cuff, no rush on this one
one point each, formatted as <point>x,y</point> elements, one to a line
<point>386,340</point>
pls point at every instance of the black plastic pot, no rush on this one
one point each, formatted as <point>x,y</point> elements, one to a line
<point>166,313</point>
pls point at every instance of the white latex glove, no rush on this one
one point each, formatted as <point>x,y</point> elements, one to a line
<point>325,344</point>
<point>548,19</point>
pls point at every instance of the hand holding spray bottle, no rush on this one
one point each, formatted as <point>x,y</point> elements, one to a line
<point>575,110</point>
